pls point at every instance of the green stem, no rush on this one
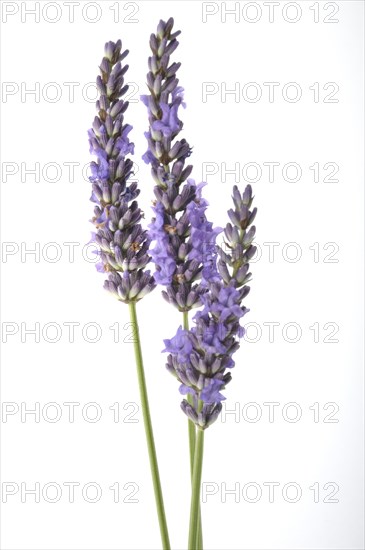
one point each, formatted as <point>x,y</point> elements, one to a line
<point>148,429</point>
<point>195,494</point>
<point>191,428</point>
<point>192,436</point>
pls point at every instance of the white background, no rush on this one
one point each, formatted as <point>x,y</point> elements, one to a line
<point>222,130</point>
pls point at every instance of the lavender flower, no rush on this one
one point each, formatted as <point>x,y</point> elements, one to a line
<point>233,264</point>
<point>123,244</point>
<point>183,239</point>
<point>201,358</point>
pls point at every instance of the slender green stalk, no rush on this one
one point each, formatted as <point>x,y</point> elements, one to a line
<point>192,436</point>
<point>195,490</point>
<point>148,429</point>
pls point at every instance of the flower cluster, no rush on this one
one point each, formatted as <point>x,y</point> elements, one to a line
<point>181,242</point>
<point>200,357</point>
<point>123,244</point>
<point>181,235</point>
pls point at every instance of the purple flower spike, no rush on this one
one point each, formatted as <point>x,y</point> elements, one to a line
<point>235,254</point>
<point>123,244</point>
<point>183,240</point>
<point>202,357</point>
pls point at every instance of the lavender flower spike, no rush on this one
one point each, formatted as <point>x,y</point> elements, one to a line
<point>123,244</point>
<point>179,263</point>
<point>201,358</point>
